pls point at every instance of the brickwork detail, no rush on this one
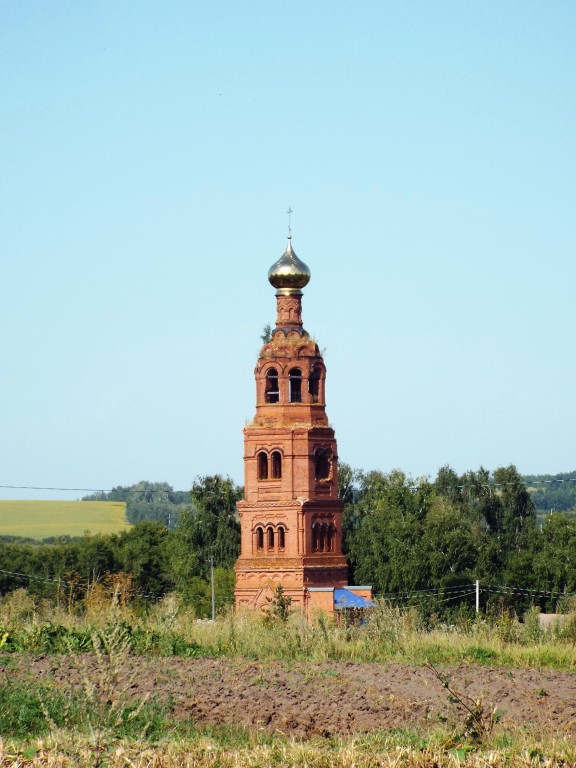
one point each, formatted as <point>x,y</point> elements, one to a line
<point>289,310</point>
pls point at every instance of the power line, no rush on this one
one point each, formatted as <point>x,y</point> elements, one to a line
<point>81,583</point>
<point>444,594</point>
<point>427,591</point>
<point>449,593</point>
<point>120,489</point>
<point>415,487</point>
<point>53,488</point>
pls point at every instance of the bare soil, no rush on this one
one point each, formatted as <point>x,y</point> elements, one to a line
<point>307,699</point>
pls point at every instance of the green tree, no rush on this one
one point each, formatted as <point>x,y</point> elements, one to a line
<point>210,528</point>
<point>143,553</point>
<point>387,547</point>
<point>154,502</point>
<point>518,520</point>
<point>554,555</point>
<point>453,544</point>
<point>449,485</point>
<point>349,491</point>
<point>552,493</point>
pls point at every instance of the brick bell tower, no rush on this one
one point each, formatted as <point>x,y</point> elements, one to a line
<point>291,517</point>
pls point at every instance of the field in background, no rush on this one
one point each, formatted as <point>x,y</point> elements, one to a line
<point>43,519</point>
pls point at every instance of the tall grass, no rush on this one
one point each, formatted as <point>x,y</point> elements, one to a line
<point>388,635</point>
<point>66,749</point>
<point>98,724</point>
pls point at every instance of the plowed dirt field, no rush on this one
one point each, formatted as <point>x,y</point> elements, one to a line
<point>306,699</point>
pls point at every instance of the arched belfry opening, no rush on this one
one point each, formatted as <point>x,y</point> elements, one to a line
<point>272,391</point>
<point>323,463</point>
<point>314,381</point>
<point>295,376</point>
<point>291,514</point>
<point>276,465</point>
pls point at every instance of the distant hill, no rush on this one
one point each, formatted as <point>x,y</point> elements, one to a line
<point>148,501</point>
<point>50,519</point>
<point>552,493</point>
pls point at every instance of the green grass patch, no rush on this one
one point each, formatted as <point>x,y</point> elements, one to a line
<point>56,638</point>
<point>46,519</point>
<point>481,655</point>
<point>32,711</point>
<point>23,713</point>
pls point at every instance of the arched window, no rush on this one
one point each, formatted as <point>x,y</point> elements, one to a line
<point>315,537</point>
<point>272,393</point>
<point>270,538</point>
<point>323,465</point>
<point>262,465</point>
<point>259,539</point>
<point>276,465</point>
<point>314,385</point>
<point>295,377</point>
<point>330,538</point>
<point>322,538</point>
<point>281,538</point>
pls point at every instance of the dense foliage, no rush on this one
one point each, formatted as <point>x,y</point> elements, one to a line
<point>406,536</point>
<point>148,560</point>
<point>415,541</point>
<point>552,493</point>
<point>156,502</point>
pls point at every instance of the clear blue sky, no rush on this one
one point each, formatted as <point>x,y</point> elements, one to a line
<point>148,153</point>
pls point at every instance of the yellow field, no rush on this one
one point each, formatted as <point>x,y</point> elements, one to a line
<point>41,519</point>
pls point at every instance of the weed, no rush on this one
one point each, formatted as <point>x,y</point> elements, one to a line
<point>506,626</point>
<point>533,633</point>
<point>278,608</point>
<point>106,701</point>
<point>17,606</point>
<point>478,722</point>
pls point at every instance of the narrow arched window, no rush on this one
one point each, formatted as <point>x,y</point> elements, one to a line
<point>314,385</point>
<point>281,538</point>
<point>315,537</point>
<point>270,538</point>
<point>295,377</point>
<point>276,465</point>
<point>322,465</point>
<point>322,538</point>
<point>262,465</point>
<point>330,538</point>
<point>259,539</point>
<point>272,393</point>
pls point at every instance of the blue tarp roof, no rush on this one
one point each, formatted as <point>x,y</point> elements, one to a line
<point>343,598</point>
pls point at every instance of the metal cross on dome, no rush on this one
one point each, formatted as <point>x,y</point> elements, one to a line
<point>289,212</point>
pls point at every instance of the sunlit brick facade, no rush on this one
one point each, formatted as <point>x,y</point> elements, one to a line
<point>291,517</point>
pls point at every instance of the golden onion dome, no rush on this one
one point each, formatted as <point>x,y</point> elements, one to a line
<point>289,274</point>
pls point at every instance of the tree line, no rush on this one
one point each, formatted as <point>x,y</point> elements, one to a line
<point>145,501</point>
<point>169,552</point>
<point>552,493</point>
<point>404,537</point>
<point>407,536</point>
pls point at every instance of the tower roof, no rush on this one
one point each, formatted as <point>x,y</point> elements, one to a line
<point>289,274</point>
